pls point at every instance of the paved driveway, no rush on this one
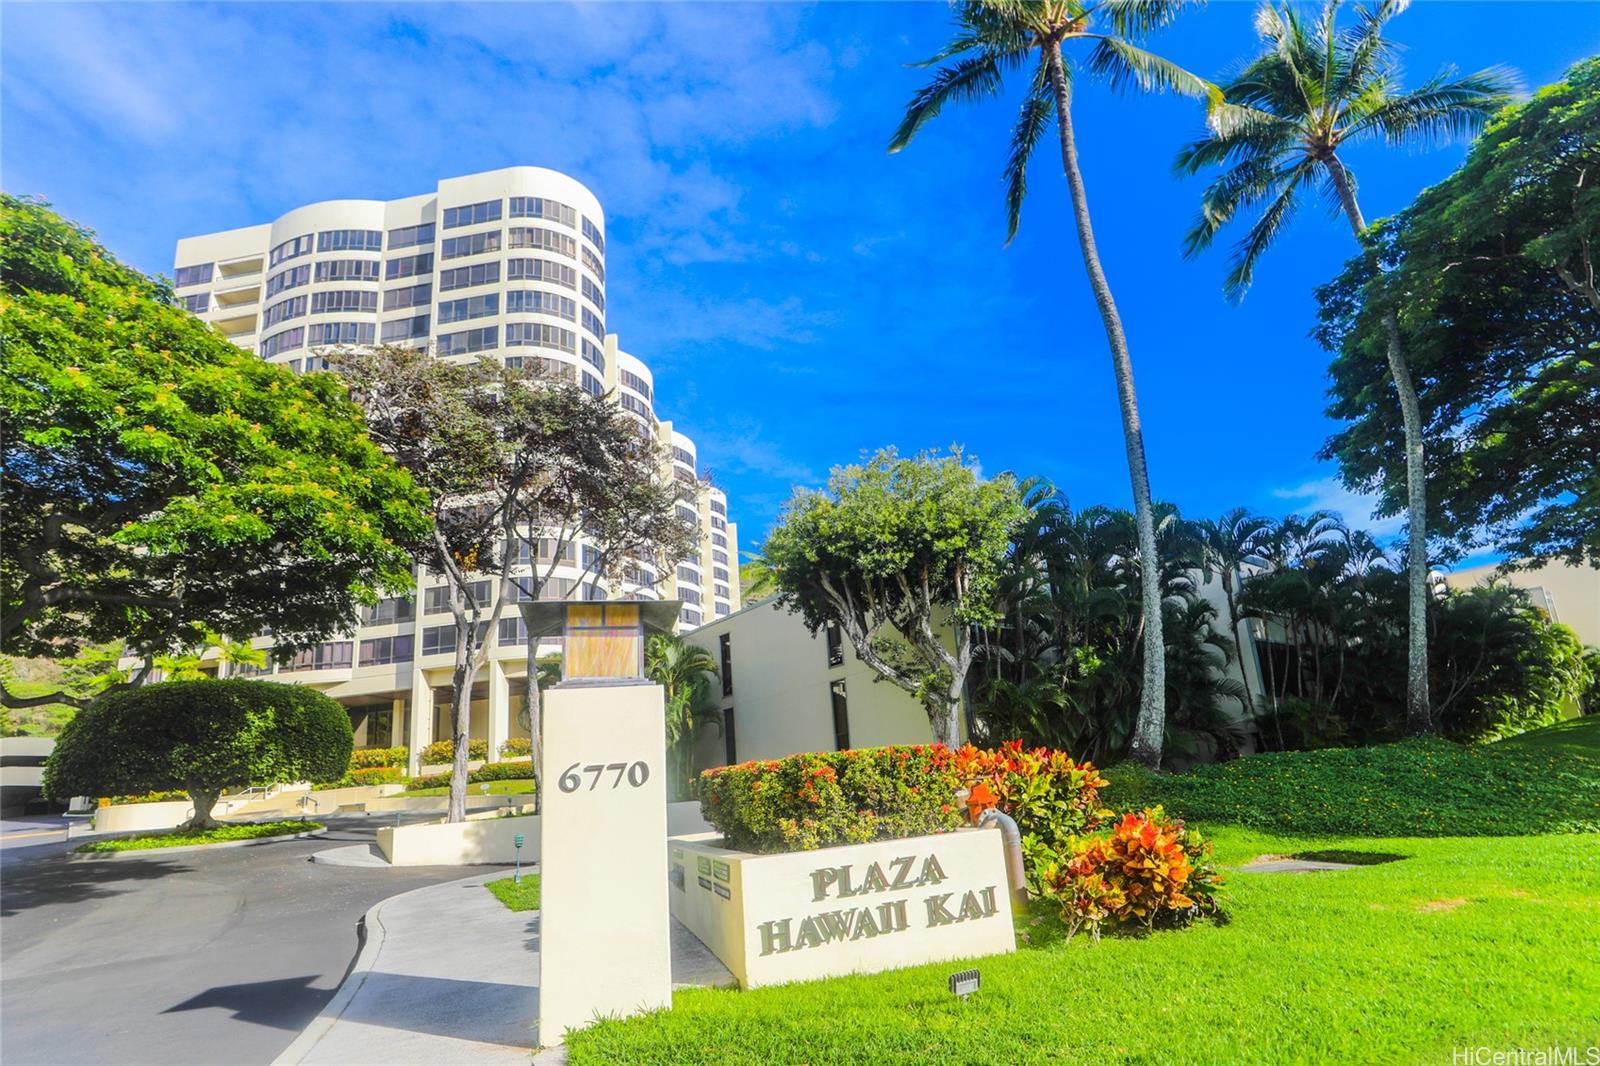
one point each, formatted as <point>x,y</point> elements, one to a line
<point>201,957</point>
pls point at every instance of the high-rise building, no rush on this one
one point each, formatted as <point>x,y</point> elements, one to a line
<point>510,264</point>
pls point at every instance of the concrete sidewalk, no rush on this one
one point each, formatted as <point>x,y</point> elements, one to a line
<point>449,975</point>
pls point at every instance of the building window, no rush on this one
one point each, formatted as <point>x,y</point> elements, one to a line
<point>723,610</point>
<point>437,599</point>
<point>291,249</point>
<point>540,335</point>
<point>641,386</point>
<point>411,236</point>
<point>198,303</point>
<point>409,266</point>
<point>438,639</point>
<point>719,540</point>
<point>405,329</point>
<point>342,333</point>
<point>722,590</point>
<point>595,355</point>
<point>283,311</point>
<point>689,595</point>
<point>471,244</point>
<point>350,240</point>
<point>469,307</point>
<point>381,651</point>
<point>835,644</point>
<point>199,274</point>
<point>592,323</point>
<point>725,645</point>
<point>540,207</point>
<point>469,340</point>
<point>547,239</point>
<point>465,277</point>
<point>333,656</point>
<point>410,296</point>
<point>594,295</point>
<point>683,455</point>
<point>634,404</point>
<point>596,268</point>
<point>347,270</point>
<point>541,270</point>
<point>531,301</point>
<point>719,573</point>
<point>392,609</point>
<point>344,301</point>
<point>689,617</point>
<point>292,278</point>
<point>592,385</point>
<point>287,341</point>
<point>718,506</point>
<point>591,231</point>
<point>471,214</point>
<point>513,631</point>
<point>841,715</point>
<point>719,556</point>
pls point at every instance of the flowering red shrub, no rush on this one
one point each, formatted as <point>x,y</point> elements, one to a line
<point>820,799</point>
<point>1151,868</point>
<point>1053,799</point>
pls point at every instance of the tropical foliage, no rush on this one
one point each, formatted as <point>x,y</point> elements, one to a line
<point>685,672</point>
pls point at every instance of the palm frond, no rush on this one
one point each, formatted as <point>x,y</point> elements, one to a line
<point>965,80</point>
<point>1138,18</point>
<point>1271,223</point>
<point>1250,181</point>
<point>1443,108</point>
<point>1032,121</point>
<point>1123,64</point>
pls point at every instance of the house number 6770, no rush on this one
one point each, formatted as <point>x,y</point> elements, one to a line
<point>571,779</point>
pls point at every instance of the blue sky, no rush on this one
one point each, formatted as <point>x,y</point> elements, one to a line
<point>801,295</point>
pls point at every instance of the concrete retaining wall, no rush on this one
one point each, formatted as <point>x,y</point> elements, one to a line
<point>489,838</point>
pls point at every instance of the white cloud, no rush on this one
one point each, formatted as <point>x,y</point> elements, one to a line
<point>1356,508</point>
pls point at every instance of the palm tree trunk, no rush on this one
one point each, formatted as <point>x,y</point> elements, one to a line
<point>1419,717</point>
<point>1150,726</point>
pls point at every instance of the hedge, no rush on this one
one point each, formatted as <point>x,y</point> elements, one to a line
<point>442,751</point>
<point>369,758</point>
<point>370,775</point>
<point>492,771</point>
<point>516,746</point>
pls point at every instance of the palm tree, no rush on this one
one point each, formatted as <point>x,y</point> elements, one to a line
<point>996,37</point>
<point>1231,543</point>
<point>1314,90</point>
<point>684,671</point>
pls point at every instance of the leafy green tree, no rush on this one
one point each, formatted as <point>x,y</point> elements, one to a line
<point>1314,90</point>
<point>508,456</point>
<point>684,671</point>
<point>203,737</point>
<point>756,581</point>
<point>1490,276</point>
<point>157,479</point>
<point>892,551</point>
<point>996,37</point>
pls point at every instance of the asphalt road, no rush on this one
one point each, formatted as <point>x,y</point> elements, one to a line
<point>202,957</point>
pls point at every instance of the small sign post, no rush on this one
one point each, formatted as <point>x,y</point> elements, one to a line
<point>605,948</point>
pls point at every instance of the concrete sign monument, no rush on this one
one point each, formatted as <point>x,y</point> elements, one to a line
<point>604,946</point>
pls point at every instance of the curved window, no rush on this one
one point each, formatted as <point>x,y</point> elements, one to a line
<point>592,323</point>
<point>292,278</point>
<point>641,386</point>
<point>541,270</point>
<point>344,300</point>
<point>683,455</point>
<point>469,307</point>
<point>471,244</point>
<point>409,266</point>
<point>719,507</point>
<point>350,240</point>
<point>342,332</point>
<point>540,335</point>
<point>592,385</point>
<point>410,296</point>
<point>594,354</point>
<point>348,270</point>
<point>539,237</point>
<point>405,329</point>
<point>471,214</point>
<point>411,236</point>
<point>287,341</point>
<point>466,277</point>
<point>541,207</point>
<point>290,249</point>
<point>596,297</point>
<point>634,404</point>
<point>469,340</point>
<point>542,303</point>
<point>591,231</point>
<point>597,268</point>
<point>283,311</point>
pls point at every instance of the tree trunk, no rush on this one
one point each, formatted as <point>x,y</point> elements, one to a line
<point>460,721</point>
<point>533,703</point>
<point>204,800</point>
<point>1150,726</point>
<point>1419,716</point>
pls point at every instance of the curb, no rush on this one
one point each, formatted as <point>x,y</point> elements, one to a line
<point>370,931</point>
<point>142,853</point>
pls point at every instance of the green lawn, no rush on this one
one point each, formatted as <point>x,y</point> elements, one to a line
<point>219,835</point>
<point>523,897</point>
<point>1575,736</point>
<point>1487,941</point>
<point>516,787</point>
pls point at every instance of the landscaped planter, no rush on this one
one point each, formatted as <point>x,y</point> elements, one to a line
<point>860,908</point>
<point>489,838</point>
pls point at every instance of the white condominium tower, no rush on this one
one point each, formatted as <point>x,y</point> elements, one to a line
<point>510,264</point>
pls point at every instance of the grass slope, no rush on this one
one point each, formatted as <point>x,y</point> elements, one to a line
<point>1575,736</point>
<point>523,897</point>
<point>219,835</point>
<point>1415,788</point>
<point>1485,941</point>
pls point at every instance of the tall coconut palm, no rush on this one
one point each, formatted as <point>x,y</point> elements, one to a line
<point>996,37</point>
<point>1314,90</point>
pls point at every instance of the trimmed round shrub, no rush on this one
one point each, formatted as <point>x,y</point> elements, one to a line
<point>202,737</point>
<point>443,751</point>
<point>516,746</point>
<point>370,758</point>
<point>821,799</point>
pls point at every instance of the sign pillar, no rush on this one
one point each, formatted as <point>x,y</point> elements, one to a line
<point>604,938</point>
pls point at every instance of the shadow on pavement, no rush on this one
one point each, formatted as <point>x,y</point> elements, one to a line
<point>283,1004</point>
<point>66,881</point>
<point>439,1006</point>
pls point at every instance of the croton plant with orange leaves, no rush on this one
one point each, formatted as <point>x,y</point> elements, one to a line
<point>1151,868</point>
